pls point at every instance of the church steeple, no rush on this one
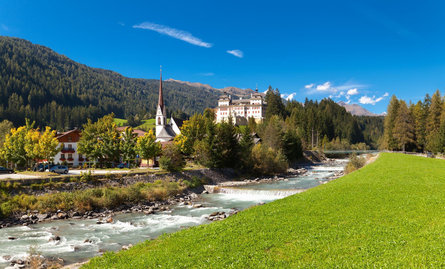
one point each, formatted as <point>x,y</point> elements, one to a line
<point>161,117</point>
<point>161,98</point>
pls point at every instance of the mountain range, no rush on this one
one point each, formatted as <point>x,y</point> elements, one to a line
<point>357,110</point>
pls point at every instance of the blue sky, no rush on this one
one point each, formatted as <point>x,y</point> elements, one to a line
<point>357,51</point>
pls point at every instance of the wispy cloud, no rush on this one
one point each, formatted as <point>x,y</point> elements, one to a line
<point>209,74</point>
<point>4,27</point>
<point>366,100</point>
<point>352,91</point>
<point>309,86</point>
<point>175,33</point>
<point>121,23</point>
<point>288,97</point>
<point>236,53</point>
<point>324,87</point>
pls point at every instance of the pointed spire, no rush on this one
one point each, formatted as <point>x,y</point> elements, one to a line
<point>161,98</point>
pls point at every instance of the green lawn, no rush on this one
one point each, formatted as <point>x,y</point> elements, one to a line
<point>146,125</point>
<point>389,214</point>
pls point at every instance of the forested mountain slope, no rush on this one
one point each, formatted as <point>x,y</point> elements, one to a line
<point>40,84</point>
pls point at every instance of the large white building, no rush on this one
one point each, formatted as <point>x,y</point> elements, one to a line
<point>241,109</point>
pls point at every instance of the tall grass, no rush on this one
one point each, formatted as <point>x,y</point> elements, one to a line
<point>90,199</point>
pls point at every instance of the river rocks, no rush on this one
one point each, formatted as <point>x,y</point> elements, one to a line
<point>197,205</point>
<point>109,220</point>
<point>12,238</point>
<point>55,238</point>
<point>7,257</point>
<point>217,216</point>
<point>24,217</point>
<point>127,247</point>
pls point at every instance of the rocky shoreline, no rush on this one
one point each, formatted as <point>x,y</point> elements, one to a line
<point>105,215</point>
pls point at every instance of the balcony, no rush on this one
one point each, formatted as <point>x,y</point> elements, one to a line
<point>81,159</point>
<point>67,150</point>
<point>70,159</point>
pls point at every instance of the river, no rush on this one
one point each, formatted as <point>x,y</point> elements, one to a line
<point>83,239</point>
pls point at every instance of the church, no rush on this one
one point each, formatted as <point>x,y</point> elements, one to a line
<point>165,131</point>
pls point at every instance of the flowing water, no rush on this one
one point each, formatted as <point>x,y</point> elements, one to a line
<point>83,239</point>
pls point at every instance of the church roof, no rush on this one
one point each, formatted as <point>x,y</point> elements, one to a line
<point>166,132</point>
<point>178,122</point>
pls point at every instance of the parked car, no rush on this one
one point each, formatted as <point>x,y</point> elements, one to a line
<point>42,167</point>
<point>4,170</point>
<point>60,169</point>
<point>123,165</point>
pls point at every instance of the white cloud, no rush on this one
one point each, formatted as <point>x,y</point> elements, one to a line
<point>366,100</point>
<point>309,86</point>
<point>352,91</point>
<point>209,74</point>
<point>288,97</point>
<point>121,23</point>
<point>324,87</point>
<point>236,53</point>
<point>175,33</point>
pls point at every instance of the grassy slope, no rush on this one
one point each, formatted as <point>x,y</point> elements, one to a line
<point>388,214</point>
<point>146,125</point>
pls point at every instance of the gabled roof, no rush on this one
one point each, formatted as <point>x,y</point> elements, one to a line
<point>178,122</point>
<point>166,133</point>
<point>59,135</point>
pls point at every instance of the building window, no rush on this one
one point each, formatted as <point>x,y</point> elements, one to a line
<point>70,146</point>
<point>159,121</point>
<point>70,139</point>
<point>62,156</point>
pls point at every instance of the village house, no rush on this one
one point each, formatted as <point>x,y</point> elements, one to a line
<point>241,110</point>
<point>68,153</point>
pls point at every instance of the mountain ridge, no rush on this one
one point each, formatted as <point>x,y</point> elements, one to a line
<point>357,110</point>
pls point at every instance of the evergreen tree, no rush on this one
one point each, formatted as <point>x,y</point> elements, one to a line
<point>433,123</point>
<point>275,104</point>
<point>403,130</point>
<point>390,142</point>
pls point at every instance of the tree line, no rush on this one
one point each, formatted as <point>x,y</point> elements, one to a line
<point>325,122</point>
<point>416,127</point>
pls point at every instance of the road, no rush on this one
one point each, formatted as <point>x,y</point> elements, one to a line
<point>74,172</point>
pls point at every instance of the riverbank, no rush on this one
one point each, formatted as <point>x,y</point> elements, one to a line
<point>383,215</point>
<point>191,180</point>
<point>132,227</point>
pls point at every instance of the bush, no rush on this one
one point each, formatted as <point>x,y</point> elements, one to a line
<point>267,161</point>
<point>355,162</point>
<point>172,159</point>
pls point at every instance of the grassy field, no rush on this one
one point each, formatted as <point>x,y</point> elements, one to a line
<point>390,213</point>
<point>146,125</point>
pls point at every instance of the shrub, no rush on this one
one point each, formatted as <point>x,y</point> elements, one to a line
<point>172,159</point>
<point>355,162</point>
<point>267,161</point>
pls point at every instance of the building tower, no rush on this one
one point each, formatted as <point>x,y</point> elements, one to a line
<point>161,115</point>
